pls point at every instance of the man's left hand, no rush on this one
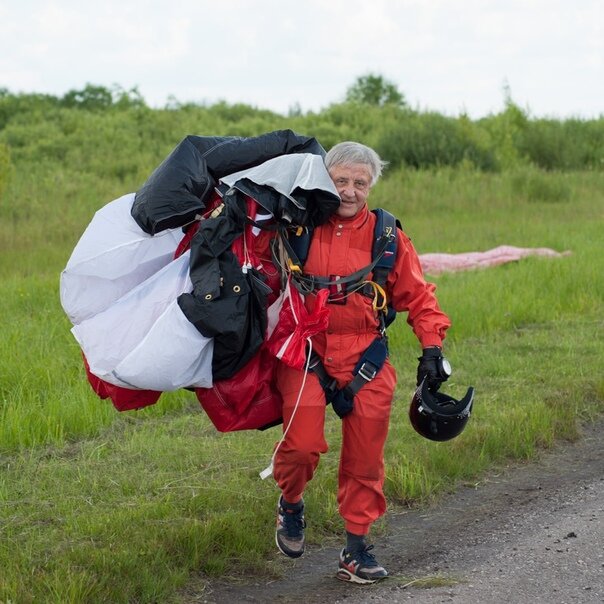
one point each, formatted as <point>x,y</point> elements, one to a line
<point>432,369</point>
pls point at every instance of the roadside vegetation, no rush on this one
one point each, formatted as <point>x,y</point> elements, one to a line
<point>97,506</point>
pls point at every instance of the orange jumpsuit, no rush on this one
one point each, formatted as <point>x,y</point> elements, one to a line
<point>339,248</point>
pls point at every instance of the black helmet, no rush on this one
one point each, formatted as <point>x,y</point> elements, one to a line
<point>438,416</point>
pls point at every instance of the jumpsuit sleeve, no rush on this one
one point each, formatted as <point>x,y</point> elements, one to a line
<point>409,292</point>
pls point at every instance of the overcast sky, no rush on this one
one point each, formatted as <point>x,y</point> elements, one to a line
<point>451,56</point>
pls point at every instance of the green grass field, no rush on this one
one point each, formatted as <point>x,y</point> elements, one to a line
<point>97,506</point>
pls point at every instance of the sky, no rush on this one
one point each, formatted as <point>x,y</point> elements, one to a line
<point>450,56</point>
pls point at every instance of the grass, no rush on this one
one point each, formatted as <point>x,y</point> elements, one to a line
<point>429,582</point>
<point>97,506</point>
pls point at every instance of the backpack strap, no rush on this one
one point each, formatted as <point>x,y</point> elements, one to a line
<point>383,253</point>
<point>385,230</point>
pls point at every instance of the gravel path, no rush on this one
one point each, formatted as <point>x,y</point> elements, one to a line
<point>532,533</point>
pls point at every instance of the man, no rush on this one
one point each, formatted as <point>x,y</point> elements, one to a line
<point>339,248</point>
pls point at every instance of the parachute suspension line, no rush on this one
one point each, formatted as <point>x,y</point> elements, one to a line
<point>282,261</point>
<point>247,264</point>
<point>269,469</point>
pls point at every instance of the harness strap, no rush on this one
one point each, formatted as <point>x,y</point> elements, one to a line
<point>383,255</point>
<point>368,366</point>
<point>297,257</point>
<point>328,383</point>
<point>313,283</point>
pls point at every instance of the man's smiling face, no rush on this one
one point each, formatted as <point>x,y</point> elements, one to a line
<point>353,183</point>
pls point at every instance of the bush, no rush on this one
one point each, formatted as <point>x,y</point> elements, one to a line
<point>12,105</point>
<point>98,125</point>
<point>570,145</point>
<point>6,168</point>
<point>426,140</point>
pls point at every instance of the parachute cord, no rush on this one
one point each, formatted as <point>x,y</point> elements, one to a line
<point>269,469</point>
<point>281,260</point>
<point>247,263</point>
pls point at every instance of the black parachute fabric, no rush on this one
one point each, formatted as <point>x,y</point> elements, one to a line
<point>178,189</point>
<point>311,208</point>
<point>227,303</point>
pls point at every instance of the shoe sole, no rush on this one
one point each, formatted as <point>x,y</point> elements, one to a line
<point>346,575</point>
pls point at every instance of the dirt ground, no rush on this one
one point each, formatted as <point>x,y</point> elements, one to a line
<point>526,533</point>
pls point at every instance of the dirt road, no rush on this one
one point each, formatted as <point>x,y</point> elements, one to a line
<point>532,533</point>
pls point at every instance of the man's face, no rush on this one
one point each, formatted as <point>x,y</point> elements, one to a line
<point>353,183</point>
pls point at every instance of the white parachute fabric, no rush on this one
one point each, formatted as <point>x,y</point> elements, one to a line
<point>112,257</point>
<point>287,173</point>
<point>119,289</point>
<point>144,341</point>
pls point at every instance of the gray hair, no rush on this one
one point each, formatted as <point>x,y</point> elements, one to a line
<point>350,152</point>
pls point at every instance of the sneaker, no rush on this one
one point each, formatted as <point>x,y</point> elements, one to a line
<point>290,530</point>
<point>360,566</point>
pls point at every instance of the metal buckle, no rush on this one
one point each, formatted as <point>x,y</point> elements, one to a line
<point>364,373</point>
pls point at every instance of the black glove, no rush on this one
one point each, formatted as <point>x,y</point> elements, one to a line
<point>342,402</point>
<point>433,367</point>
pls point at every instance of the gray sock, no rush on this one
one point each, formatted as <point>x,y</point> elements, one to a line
<point>354,543</point>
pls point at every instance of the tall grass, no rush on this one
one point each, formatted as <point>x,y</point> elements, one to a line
<point>97,506</point>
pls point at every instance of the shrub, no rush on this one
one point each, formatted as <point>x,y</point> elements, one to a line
<point>6,168</point>
<point>425,140</point>
<point>569,145</point>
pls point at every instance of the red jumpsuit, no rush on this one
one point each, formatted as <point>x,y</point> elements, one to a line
<point>339,248</point>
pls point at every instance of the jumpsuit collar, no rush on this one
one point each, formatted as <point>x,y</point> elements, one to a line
<point>354,222</point>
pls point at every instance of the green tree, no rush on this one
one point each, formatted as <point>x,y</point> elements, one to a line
<point>97,98</point>
<point>373,89</point>
<point>91,97</point>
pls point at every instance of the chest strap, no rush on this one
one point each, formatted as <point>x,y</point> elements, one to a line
<point>310,283</point>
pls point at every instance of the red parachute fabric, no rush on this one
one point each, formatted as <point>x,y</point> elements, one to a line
<point>123,399</point>
<point>289,338</point>
<point>246,401</point>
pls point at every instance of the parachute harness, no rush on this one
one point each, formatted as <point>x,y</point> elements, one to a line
<point>291,270</point>
<point>372,360</point>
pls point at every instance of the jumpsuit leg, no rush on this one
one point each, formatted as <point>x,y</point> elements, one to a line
<point>298,456</point>
<point>361,475</point>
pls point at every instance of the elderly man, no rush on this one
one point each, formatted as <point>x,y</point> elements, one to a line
<point>338,248</point>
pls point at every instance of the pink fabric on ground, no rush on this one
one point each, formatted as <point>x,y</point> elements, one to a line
<point>435,264</point>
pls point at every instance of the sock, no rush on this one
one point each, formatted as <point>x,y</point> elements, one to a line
<point>354,543</point>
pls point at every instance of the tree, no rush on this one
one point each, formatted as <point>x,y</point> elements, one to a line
<point>91,97</point>
<point>373,89</point>
<point>97,98</point>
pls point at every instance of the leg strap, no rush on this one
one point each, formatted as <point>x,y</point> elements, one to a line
<point>369,365</point>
